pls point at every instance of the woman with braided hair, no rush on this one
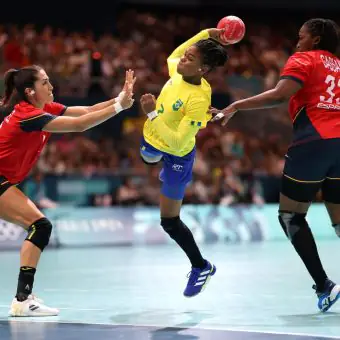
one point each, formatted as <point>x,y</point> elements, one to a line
<point>310,81</point>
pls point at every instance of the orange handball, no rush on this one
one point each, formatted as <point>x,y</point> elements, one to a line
<point>234,29</point>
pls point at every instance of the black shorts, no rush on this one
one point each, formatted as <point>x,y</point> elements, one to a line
<point>4,184</point>
<point>310,167</point>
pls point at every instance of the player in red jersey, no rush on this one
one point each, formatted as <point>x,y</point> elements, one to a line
<point>311,80</point>
<point>29,118</point>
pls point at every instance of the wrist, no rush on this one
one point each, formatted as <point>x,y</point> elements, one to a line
<point>152,115</point>
<point>120,96</point>
<point>118,107</point>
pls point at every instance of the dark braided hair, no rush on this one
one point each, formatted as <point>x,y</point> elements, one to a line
<point>16,81</point>
<point>327,30</point>
<point>213,54</point>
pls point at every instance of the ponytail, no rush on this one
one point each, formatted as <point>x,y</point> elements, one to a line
<point>15,83</point>
<point>9,85</point>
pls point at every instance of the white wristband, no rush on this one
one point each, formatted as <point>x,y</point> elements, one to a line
<point>152,115</point>
<point>118,107</point>
<point>120,96</point>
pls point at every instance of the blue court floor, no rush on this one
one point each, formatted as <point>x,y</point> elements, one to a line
<point>260,291</point>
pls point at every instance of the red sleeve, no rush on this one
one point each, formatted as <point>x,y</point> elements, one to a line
<point>298,67</point>
<point>55,109</point>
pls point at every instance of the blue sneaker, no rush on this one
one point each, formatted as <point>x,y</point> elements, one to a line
<point>328,296</point>
<point>198,279</point>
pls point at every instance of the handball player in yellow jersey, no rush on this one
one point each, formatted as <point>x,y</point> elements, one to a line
<point>180,111</point>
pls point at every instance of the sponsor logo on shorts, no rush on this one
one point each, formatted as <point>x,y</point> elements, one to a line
<point>177,167</point>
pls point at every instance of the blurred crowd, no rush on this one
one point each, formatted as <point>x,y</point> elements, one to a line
<point>229,160</point>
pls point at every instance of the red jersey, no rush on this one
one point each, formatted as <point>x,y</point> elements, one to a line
<point>22,138</point>
<point>315,108</point>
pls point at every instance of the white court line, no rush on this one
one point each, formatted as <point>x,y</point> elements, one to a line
<point>203,327</point>
<point>136,288</point>
<point>67,308</point>
<point>68,290</point>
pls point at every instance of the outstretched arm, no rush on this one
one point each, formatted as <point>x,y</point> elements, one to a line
<point>284,89</point>
<point>77,111</point>
<point>87,121</point>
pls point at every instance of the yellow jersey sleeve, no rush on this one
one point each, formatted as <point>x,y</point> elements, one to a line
<point>173,59</point>
<point>195,118</point>
<point>196,111</point>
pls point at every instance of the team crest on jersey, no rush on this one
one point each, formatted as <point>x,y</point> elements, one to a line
<point>161,109</point>
<point>176,106</point>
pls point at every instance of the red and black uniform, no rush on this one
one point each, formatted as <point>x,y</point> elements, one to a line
<point>313,160</point>
<point>22,140</point>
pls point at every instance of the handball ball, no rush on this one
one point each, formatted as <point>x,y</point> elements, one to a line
<point>234,29</point>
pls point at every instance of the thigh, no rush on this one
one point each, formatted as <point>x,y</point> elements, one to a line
<point>170,207</point>
<point>331,185</point>
<point>305,170</point>
<point>289,205</point>
<point>17,208</point>
<point>176,174</point>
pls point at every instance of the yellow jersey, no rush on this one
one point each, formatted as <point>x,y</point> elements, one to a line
<point>182,108</point>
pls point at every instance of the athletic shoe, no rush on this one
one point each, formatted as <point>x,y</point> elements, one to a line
<point>198,279</point>
<point>328,296</point>
<point>33,306</point>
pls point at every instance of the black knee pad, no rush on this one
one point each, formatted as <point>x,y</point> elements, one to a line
<point>171,225</point>
<point>39,233</point>
<point>292,222</point>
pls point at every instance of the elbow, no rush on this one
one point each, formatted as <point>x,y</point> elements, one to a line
<point>177,145</point>
<point>89,109</point>
<point>80,126</point>
<point>281,94</point>
<point>279,97</point>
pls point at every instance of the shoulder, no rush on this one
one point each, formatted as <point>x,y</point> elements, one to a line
<point>25,110</point>
<point>206,86</point>
<point>302,58</point>
<point>202,93</point>
<point>55,108</point>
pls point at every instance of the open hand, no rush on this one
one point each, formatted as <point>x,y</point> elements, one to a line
<point>126,96</point>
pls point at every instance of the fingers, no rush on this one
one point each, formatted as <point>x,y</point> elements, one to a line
<point>214,111</point>
<point>148,96</point>
<point>225,121</point>
<point>129,80</point>
<point>218,116</point>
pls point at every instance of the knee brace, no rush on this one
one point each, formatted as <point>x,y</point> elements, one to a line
<point>292,222</point>
<point>171,225</point>
<point>39,233</point>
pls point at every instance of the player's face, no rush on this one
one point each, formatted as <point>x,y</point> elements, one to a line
<point>43,88</point>
<point>190,64</point>
<point>306,41</point>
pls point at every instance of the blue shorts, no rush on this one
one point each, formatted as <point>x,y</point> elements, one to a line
<point>176,172</point>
